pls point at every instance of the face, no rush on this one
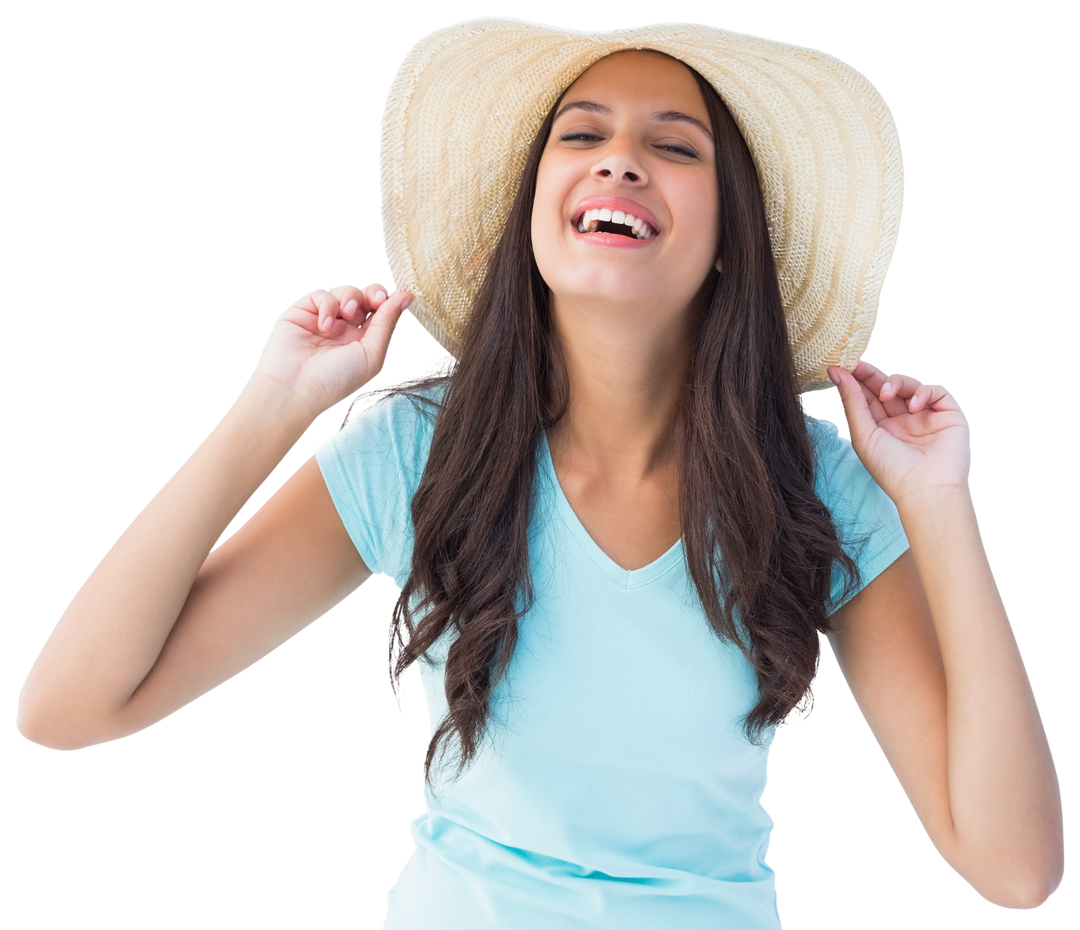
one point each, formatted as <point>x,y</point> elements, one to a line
<point>631,138</point>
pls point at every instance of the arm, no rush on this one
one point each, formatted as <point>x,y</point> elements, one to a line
<point>162,619</point>
<point>928,652</point>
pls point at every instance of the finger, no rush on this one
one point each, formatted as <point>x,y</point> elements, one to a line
<point>379,327</point>
<point>354,304</point>
<point>309,302</point>
<point>861,419</point>
<point>358,302</point>
<point>864,371</point>
<point>389,311</point>
<point>867,374</point>
<point>932,397</point>
<point>902,386</point>
<point>346,293</point>
<point>326,306</point>
<point>870,380</point>
<point>915,401</point>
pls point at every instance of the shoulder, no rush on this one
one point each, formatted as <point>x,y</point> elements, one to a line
<point>867,523</point>
<point>837,468</point>
<point>845,486</point>
<point>372,467</point>
<point>403,411</point>
<point>396,428</point>
<point>824,436</point>
<point>389,435</point>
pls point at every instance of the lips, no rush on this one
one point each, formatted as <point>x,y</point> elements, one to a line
<point>618,216</point>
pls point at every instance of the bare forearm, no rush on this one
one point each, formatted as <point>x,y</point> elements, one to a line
<point>1002,788</point>
<point>113,632</point>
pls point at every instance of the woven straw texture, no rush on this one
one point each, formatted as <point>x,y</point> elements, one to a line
<point>468,101</point>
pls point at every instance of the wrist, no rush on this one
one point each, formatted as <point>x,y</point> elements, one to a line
<point>935,504</point>
<point>275,405</point>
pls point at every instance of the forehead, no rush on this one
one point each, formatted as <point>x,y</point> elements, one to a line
<point>646,77</point>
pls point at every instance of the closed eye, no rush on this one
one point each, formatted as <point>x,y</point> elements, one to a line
<point>680,150</point>
<point>683,150</point>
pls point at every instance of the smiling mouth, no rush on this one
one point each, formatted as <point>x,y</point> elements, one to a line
<point>614,221</point>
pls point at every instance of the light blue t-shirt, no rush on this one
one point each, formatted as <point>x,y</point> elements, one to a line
<point>616,787</point>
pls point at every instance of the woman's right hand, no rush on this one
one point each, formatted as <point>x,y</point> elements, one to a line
<point>329,344</point>
<point>163,619</point>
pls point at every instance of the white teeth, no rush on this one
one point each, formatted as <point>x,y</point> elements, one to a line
<point>590,219</point>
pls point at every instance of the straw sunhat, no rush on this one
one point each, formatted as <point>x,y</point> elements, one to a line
<point>468,101</point>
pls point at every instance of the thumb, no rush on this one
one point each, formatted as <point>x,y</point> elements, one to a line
<point>379,327</point>
<point>861,420</point>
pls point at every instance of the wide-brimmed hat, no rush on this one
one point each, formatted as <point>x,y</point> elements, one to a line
<point>468,101</point>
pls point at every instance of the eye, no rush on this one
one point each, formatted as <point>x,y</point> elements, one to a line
<point>684,150</point>
<point>676,148</point>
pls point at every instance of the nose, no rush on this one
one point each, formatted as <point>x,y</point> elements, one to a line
<point>620,161</point>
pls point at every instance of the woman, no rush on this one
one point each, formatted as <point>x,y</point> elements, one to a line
<point>616,535</point>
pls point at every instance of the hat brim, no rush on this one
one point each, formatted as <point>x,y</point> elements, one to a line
<point>468,101</point>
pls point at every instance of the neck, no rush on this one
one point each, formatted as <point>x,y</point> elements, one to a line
<point>628,369</point>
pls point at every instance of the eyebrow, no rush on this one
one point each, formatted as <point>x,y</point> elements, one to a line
<point>665,116</point>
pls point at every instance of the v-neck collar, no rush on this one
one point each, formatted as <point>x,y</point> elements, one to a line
<point>624,577</point>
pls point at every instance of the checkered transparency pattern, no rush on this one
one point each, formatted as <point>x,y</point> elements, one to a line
<point>468,101</point>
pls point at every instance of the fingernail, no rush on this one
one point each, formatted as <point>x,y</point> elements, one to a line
<point>886,387</point>
<point>833,376</point>
<point>350,307</point>
<point>406,302</point>
<point>380,296</point>
<point>327,322</point>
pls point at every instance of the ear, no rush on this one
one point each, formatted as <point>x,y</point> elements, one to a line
<point>719,264</point>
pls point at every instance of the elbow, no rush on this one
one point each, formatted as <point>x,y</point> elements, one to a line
<point>28,727</point>
<point>1022,896</point>
<point>1027,888</point>
<point>52,728</point>
<point>39,731</point>
<point>1038,888</point>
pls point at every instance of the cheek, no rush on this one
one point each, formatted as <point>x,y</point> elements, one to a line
<point>541,244</point>
<point>697,242</point>
<point>546,213</point>
<point>702,233</point>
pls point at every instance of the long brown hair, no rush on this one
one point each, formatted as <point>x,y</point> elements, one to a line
<point>760,545</point>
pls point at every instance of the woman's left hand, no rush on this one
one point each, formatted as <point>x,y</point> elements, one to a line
<point>912,437</point>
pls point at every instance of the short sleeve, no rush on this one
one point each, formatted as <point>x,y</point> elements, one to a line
<point>372,468</point>
<point>866,519</point>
